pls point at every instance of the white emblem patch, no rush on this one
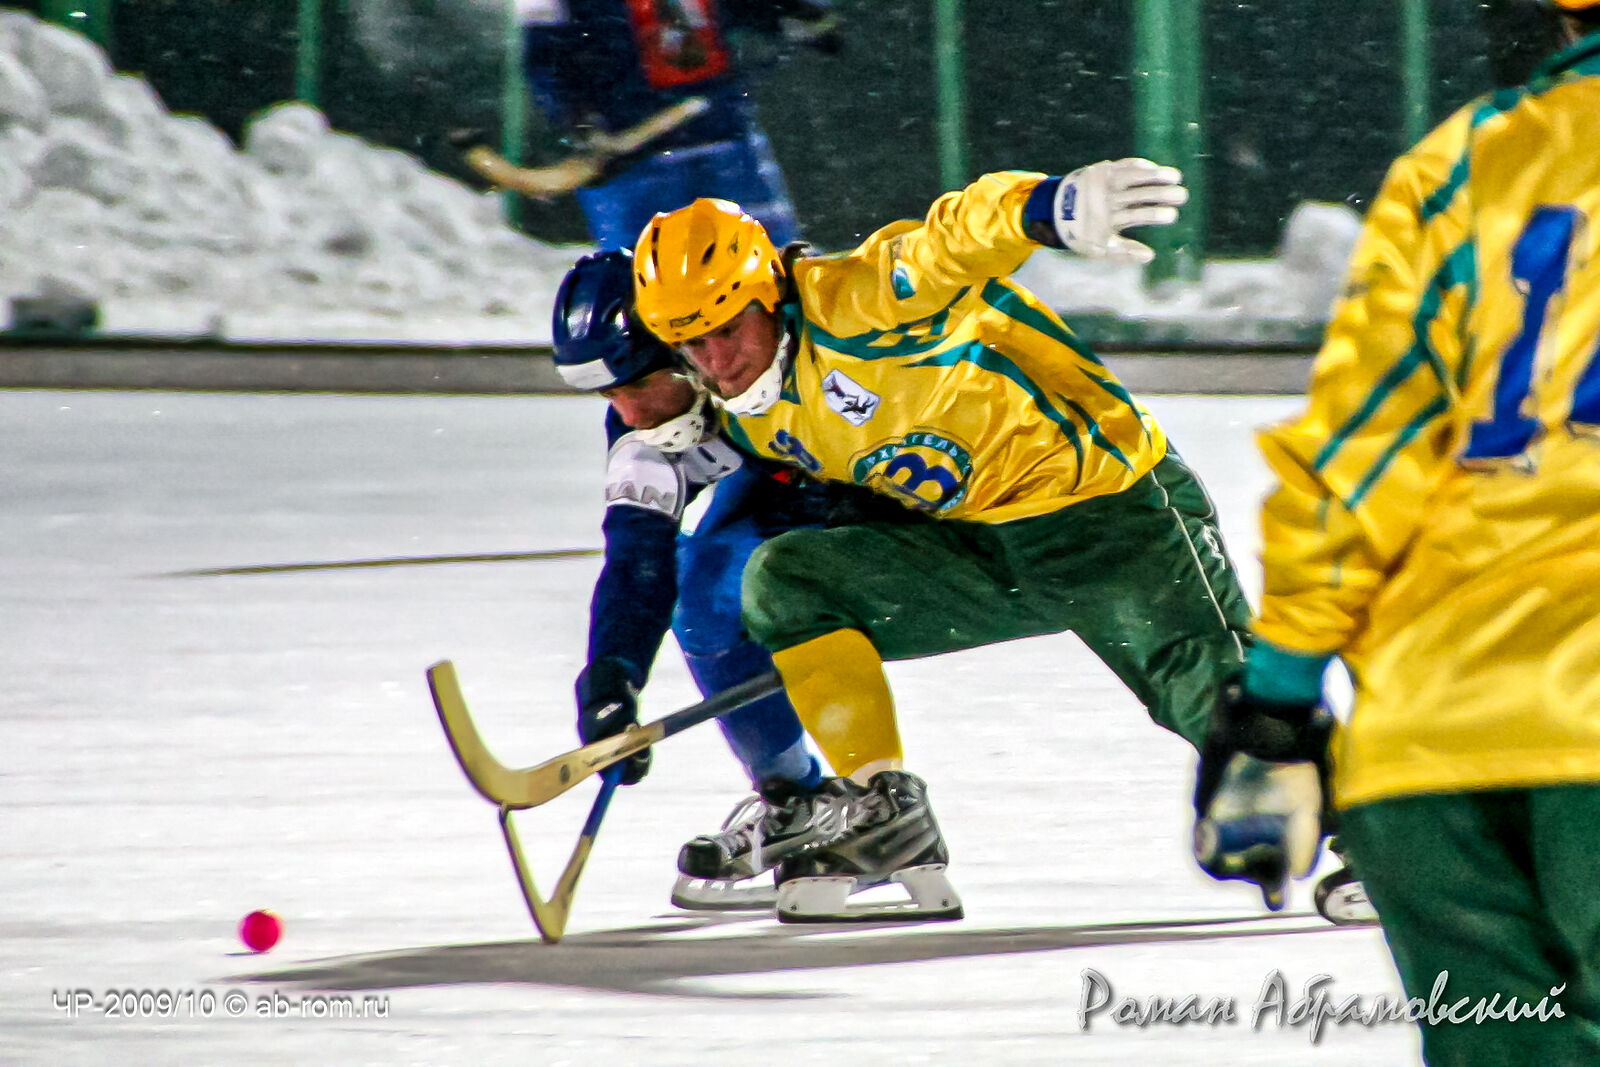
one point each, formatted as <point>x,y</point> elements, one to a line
<point>849,399</point>
<point>641,476</point>
<point>709,461</point>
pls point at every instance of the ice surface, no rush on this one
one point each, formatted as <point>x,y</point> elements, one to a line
<point>312,234</point>
<point>182,750</point>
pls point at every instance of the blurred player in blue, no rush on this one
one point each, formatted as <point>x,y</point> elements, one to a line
<point>599,68</point>
<point>664,450</point>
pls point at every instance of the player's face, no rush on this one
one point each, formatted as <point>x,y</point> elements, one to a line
<point>731,357</point>
<point>652,400</point>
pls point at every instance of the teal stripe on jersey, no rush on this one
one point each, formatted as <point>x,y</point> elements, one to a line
<point>1581,60</point>
<point>740,437</point>
<point>1435,202</point>
<point>1490,106</point>
<point>1466,260</point>
<point>1385,386</point>
<point>995,363</point>
<point>1496,103</point>
<point>1458,267</point>
<point>1588,66</point>
<point>1117,390</point>
<point>1009,303</point>
<point>1434,408</point>
<point>869,345</point>
<point>1096,434</point>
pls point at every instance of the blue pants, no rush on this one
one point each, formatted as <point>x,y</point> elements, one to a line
<point>742,171</point>
<point>766,736</point>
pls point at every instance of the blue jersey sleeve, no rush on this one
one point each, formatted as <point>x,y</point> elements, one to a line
<point>631,610</point>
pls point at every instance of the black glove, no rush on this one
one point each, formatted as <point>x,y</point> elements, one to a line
<point>1261,820</point>
<point>1277,733</point>
<point>608,703</point>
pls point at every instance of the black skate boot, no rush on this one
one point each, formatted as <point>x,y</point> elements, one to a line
<point>762,831</point>
<point>885,832</point>
<point>1340,897</point>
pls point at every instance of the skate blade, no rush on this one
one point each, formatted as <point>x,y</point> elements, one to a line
<point>825,900</point>
<point>708,894</point>
<point>1345,905</point>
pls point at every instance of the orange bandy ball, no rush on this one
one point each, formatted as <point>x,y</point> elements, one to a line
<point>260,930</point>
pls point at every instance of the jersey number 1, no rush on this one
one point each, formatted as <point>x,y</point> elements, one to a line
<point>1539,266</point>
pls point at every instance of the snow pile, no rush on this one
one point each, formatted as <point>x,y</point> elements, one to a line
<point>1286,298</point>
<point>305,234</point>
<point>310,234</point>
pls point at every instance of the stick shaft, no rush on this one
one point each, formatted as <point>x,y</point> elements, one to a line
<point>528,787</point>
<point>581,168</point>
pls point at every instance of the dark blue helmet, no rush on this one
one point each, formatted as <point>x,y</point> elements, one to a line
<point>598,346</point>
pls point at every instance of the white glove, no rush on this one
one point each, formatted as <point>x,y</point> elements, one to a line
<point>1094,204</point>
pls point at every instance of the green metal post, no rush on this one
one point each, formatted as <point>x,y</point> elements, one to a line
<point>1168,105</point>
<point>308,52</point>
<point>1415,62</point>
<point>92,18</point>
<point>513,105</point>
<point>951,79</point>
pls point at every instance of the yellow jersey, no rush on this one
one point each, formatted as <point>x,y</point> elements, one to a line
<point>1438,517</point>
<point>916,369</point>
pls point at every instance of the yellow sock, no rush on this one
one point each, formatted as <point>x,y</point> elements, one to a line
<point>837,685</point>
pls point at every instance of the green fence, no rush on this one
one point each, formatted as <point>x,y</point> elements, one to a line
<point>1292,99</point>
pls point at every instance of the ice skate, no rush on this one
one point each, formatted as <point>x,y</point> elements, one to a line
<point>885,832</point>
<point>1340,897</point>
<point>722,871</point>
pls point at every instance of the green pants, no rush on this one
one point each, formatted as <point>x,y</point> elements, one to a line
<point>1502,890</point>
<point>1140,576</point>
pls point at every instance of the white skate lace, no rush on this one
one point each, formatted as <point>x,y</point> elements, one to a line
<point>833,814</point>
<point>745,825</point>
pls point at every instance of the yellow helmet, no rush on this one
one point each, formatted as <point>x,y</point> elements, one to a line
<point>696,268</point>
<point>1574,5</point>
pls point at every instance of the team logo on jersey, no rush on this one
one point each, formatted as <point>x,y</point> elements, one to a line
<point>849,398</point>
<point>900,282</point>
<point>900,275</point>
<point>789,447</point>
<point>922,470</point>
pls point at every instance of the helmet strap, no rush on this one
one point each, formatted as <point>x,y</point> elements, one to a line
<point>681,433</point>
